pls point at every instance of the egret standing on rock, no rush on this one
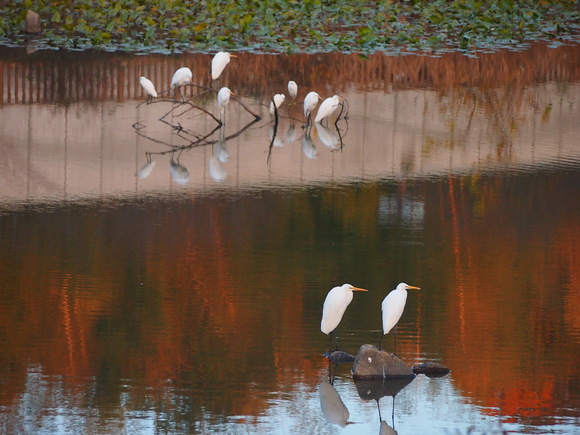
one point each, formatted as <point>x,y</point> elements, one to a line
<point>183,76</point>
<point>218,63</point>
<point>292,89</point>
<point>393,306</point>
<point>310,103</point>
<point>327,108</point>
<point>223,98</point>
<point>334,307</point>
<point>149,88</point>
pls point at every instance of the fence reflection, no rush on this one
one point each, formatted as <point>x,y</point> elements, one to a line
<point>47,77</point>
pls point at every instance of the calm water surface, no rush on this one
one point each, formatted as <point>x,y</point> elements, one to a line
<point>162,275</point>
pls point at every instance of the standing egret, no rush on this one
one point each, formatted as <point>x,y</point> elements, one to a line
<point>393,306</point>
<point>327,108</point>
<point>292,89</point>
<point>310,103</point>
<point>334,307</point>
<point>278,100</point>
<point>149,88</point>
<point>223,98</point>
<point>183,76</point>
<point>218,63</point>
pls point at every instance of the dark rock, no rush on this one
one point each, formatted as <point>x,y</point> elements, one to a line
<point>339,356</point>
<point>431,369</point>
<point>374,389</point>
<point>32,22</point>
<point>372,363</point>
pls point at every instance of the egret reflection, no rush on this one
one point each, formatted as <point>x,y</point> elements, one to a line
<point>376,389</point>
<point>174,118</point>
<point>308,147</point>
<point>333,408</point>
<point>147,168</point>
<point>179,173</point>
<point>216,169</point>
<point>221,150</point>
<point>291,133</point>
<point>328,136</point>
<point>275,139</point>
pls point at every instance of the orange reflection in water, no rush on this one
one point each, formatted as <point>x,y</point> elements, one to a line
<point>511,295</point>
<point>79,302</point>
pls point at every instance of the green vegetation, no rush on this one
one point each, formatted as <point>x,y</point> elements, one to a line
<point>290,25</point>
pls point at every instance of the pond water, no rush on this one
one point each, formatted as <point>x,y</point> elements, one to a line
<point>162,274</point>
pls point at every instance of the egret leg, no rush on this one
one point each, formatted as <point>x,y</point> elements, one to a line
<point>395,352</point>
<point>331,375</point>
<point>393,413</point>
<point>380,340</point>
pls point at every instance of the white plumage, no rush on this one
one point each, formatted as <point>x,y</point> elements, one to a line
<point>327,108</point>
<point>278,100</point>
<point>292,89</point>
<point>183,76</point>
<point>149,88</point>
<point>310,103</point>
<point>219,62</point>
<point>335,305</point>
<point>223,98</point>
<point>393,306</point>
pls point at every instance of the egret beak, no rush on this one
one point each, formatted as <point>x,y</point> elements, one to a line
<point>357,289</point>
<point>233,55</point>
<point>412,287</point>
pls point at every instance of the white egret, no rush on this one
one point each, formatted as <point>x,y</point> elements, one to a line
<point>334,307</point>
<point>183,76</point>
<point>292,89</point>
<point>149,88</point>
<point>327,108</point>
<point>219,62</point>
<point>278,100</point>
<point>392,307</point>
<point>223,98</point>
<point>310,103</point>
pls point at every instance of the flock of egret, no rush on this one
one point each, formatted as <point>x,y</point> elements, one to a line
<point>338,299</point>
<point>183,76</point>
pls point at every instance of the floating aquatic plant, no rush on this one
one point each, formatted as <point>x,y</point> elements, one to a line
<point>289,25</point>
